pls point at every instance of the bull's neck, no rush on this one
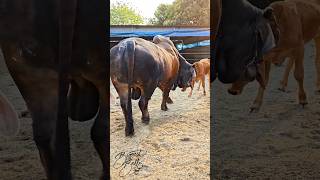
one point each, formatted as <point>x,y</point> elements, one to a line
<point>238,11</point>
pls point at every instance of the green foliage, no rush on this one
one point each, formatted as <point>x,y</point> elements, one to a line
<point>123,14</point>
<point>183,12</point>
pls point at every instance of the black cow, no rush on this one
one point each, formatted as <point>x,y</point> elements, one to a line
<point>52,48</point>
<point>244,35</point>
<point>138,67</point>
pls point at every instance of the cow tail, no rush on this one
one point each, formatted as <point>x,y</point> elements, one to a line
<point>130,50</point>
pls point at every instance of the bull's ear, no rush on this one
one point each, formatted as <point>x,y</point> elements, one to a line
<point>266,38</point>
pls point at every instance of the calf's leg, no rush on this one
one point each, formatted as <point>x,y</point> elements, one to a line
<point>192,85</point>
<point>203,84</point>
<point>259,98</point>
<point>317,63</point>
<point>299,75</point>
<point>284,81</point>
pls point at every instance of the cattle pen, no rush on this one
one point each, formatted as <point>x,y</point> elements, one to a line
<point>193,42</point>
<point>176,143</point>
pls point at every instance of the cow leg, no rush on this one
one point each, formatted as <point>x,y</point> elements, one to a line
<point>284,81</point>
<point>99,134</point>
<point>165,96</point>
<point>146,94</point>
<point>299,75</point>
<point>122,90</point>
<point>39,88</point>
<point>169,100</point>
<point>255,107</point>
<point>192,85</point>
<point>199,85</point>
<point>203,84</point>
<point>317,63</point>
<point>143,105</point>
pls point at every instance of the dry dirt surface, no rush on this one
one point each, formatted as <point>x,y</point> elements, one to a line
<point>19,158</point>
<point>175,145</point>
<point>282,141</point>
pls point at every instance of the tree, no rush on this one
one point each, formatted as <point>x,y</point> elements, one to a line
<point>164,15</point>
<point>123,14</point>
<point>183,12</point>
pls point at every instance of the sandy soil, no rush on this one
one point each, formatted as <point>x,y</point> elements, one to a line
<point>175,145</point>
<point>19,158</point>
<point>282,141</point>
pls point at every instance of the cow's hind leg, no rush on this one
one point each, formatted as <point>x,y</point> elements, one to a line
<point>99,133</point>
<point>317,63</point>
<point>122,90</point>
<point>143,105</point>
<point>169,100</point>
<point>143,102</point>
<point>165,95</point>
<point>299,75</point>
<point>284,81</point>
<point>40,91</point>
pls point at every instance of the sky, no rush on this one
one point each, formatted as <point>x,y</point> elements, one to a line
<point>146,8</point>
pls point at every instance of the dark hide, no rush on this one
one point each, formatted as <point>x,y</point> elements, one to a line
<point>244,36</point>
<point>47,45</point>
<point>83,102</point>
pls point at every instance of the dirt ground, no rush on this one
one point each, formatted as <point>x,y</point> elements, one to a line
<point>19,158</point>
<point>176,143</point>
<point>282,141</point>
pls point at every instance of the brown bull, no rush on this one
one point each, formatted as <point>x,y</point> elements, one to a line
<point>138,67</point>
<point>202,69</point>
<point>299,23</point>
<point>52,48</point>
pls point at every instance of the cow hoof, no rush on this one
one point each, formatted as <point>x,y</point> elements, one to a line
<point>129,132</point>
<point>145,120</point>
<point>303,104</point>
<point>234,92</point>
<point>189,95</point>
<point>104,176</point>
<point>283,89</point>
<point>164,108</point>
<point>254,108</point>
<point>24,114</point>
<point>169,101</point>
